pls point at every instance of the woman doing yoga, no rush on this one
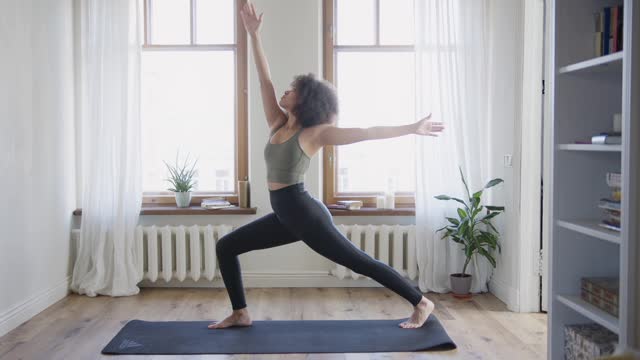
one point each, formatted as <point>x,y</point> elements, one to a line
<point>297,133</point>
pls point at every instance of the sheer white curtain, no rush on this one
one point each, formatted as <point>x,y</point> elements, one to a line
<point>109,107</point>
<point>452,77</point>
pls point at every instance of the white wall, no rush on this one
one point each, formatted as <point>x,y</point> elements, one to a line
<point>506,49</point>
<point>37,161</point>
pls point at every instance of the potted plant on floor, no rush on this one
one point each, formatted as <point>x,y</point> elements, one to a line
<point>182,180</point>
<point>474,231</point>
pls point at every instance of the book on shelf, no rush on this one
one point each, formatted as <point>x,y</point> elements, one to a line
<point>598,40</point>
<point>611,218</point>
<point>605,224</point>
<point>609,204</point>
<point>608,30</point>
<point>607,138</point>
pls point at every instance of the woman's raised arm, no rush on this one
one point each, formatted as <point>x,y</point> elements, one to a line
<point>274,114</point>
<point>331,135</point>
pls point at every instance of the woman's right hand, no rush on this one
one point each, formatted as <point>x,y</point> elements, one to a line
<point>250,20</point>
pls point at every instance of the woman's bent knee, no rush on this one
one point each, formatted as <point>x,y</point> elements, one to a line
<point>223,244</point>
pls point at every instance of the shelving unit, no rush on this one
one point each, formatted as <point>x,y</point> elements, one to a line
<point>611,63</point>
<point>591,228</point>
<point>589,147</point>
<point>585,91</point>
<point>593,313</point>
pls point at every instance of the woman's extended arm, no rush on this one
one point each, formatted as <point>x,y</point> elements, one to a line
<point>252,23</point>
<point>331,135</point>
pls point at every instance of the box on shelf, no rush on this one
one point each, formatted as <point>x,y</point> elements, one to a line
<point>588,341</point>
<point>606,288</point>
<point>599,302</point>
<point>614,180</point>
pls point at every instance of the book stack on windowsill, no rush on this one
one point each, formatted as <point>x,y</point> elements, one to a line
<point>611,205</point>
<point>346,205</point>
<point>215,203</point>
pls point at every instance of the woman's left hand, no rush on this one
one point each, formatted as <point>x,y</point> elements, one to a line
<point>428,127</point>
<point>251,21</point>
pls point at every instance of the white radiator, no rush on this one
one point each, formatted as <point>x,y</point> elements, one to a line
<point>175,252</point>
<point>394,245</point>
<point>172,252</point>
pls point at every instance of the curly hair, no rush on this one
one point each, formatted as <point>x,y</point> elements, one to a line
<point>317,100</point>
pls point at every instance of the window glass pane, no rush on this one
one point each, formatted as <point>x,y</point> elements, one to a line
<point>170,22</point>
<point>396,22</point>
<point>188,104</point>
<point>375,89</point>
<point>214,22</point>
<point>355,22</point>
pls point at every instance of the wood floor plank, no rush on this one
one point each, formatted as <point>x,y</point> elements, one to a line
<point>529,328</point>
<point>78,327</point>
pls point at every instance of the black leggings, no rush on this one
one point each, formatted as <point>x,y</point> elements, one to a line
<point>298,216</point>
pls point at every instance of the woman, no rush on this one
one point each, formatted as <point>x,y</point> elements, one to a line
<point>296,135</point>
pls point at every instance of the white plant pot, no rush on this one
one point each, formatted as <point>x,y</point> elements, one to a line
<point>183,199</point>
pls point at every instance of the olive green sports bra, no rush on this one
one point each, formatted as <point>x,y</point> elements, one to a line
<point>286,162</point>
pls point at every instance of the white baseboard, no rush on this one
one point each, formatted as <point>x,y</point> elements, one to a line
<point>20,313</point>
<point>267,279</point>
<point>505,293</point>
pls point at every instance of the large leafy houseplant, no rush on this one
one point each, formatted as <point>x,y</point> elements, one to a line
<point>473,230</point>
<point>182,179</point>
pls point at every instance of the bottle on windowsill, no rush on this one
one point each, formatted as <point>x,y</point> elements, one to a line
<point>389,197</point>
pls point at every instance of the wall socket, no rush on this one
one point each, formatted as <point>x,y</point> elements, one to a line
<point>508,161</point>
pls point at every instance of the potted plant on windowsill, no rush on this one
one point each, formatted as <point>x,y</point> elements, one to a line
<point>474,231</point>
<point>182,179</point>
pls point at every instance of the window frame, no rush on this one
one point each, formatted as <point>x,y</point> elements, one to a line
<point>239,48</point>
<point>403,199</point>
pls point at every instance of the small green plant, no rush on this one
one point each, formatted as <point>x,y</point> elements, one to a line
<point>181,177</point>
<point>468,229</point>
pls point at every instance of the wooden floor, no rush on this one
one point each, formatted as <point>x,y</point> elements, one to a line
<point>78,327</point>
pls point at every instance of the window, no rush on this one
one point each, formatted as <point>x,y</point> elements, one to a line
<point>369,56</point>
<point>194,80</point>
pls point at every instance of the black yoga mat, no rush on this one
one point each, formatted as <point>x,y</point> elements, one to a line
<point>277,337</point>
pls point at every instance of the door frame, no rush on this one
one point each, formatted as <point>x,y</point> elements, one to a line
<point>531,154</point>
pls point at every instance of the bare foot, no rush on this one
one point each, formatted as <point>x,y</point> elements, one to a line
<point>237,318</point>
<point>420,314</point>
